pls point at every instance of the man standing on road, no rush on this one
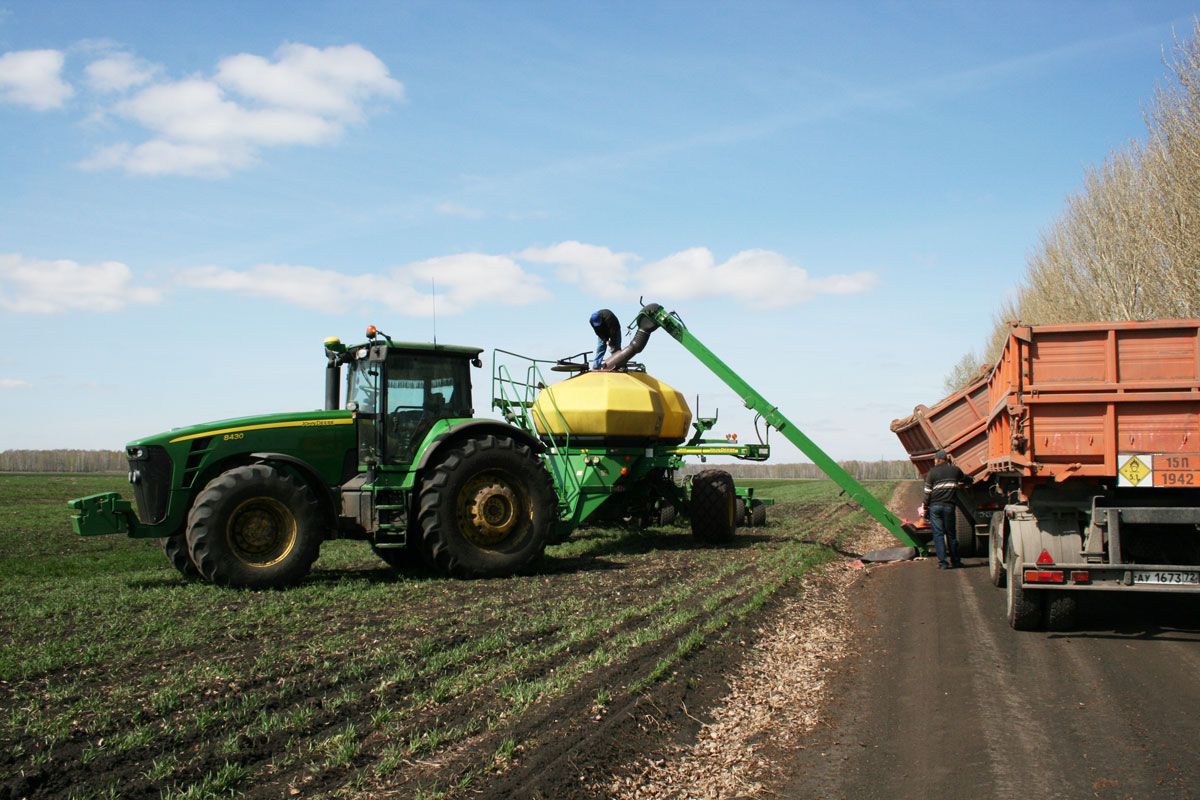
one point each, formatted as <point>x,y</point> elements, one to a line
<point>941,488</point>
<point>608,334</point>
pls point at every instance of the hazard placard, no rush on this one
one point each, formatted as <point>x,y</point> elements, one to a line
<point>1174,470</point>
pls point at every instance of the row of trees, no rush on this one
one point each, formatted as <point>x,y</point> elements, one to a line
<point>862,470</point>
<point>63,461</point>
<point>1125,247</point>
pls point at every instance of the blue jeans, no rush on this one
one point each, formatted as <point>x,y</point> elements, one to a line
<point>942,518</point>
<point>601,346</point>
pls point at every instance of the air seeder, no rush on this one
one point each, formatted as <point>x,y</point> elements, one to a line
<point>406,466</point>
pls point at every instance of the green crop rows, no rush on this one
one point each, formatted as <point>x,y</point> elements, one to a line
<point>117,678</point>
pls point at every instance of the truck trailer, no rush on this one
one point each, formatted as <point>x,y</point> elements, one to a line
<point>1082,449</point>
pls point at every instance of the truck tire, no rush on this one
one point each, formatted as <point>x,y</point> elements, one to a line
<point>714,506</point>
<point>175,548</point>
<point>995,552</point>
<point>1062,610</point>
<point>667,515</point>
<point>964,532</point>
<point>1024,608</point>
<point>487,509</point>
<point>255,527</point>
<point>758,513</point>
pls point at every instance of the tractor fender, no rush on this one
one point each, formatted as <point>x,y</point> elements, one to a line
<point>311,477</point>
<point>471,429</point>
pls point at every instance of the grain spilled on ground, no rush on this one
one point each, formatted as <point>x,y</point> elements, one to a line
<point>776,696</point>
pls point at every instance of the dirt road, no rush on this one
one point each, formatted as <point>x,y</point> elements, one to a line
<point>944,700</point>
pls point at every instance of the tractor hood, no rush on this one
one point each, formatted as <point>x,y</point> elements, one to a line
<point>238,427</point>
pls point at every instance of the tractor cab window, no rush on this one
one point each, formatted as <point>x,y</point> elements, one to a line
<point>421,389</point>
<point>362,394</point>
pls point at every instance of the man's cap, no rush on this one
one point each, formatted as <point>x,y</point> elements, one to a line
<point>940,455</point>
<point>595,317</point>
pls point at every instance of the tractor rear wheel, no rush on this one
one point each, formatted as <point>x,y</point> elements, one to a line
<point>714,506</point>
<point>175,548</point>
<point>255,527</point>
<point>487,509</point>
<point>758,513</point>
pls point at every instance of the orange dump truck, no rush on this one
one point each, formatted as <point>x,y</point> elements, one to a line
<point>1083,447</point>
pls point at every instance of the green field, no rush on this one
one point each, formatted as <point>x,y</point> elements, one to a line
<point>118,678</point>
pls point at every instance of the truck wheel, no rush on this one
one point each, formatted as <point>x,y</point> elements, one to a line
<point>758,513</point>
<point>487,509</point>
<point>175,548</point>
<point>1061,611</point>
<point>964,532</point>
<point>667,515</point>
<point>256,528</point>
<point>995,542</point>
<point>1024,607</point>
<point>714,506</point>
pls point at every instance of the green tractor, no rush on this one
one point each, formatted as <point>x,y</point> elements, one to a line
<point>406,466</point>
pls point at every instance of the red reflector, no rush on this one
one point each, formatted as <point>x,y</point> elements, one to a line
<point>1045,576</point>
<point>1044,560</point>
<point>624,470</point>
<point>1081,576</point>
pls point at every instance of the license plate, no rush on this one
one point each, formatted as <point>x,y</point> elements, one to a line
<point>1145,576</point>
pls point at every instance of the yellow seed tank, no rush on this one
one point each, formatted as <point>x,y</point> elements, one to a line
<point>613,407</point>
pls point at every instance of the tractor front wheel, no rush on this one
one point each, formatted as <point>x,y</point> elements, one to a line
<point>175,548</point>
<point>714,506</point>
<point>254,527</point>
<point>487,509</point>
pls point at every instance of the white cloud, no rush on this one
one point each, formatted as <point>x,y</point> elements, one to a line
<point>462,281</point>
<point>47,287</point>
<point>119,72</point>
<point>455,210</point>
<point>212,126</point>
<point>597,270</point>
<point>760,278</point>
<point>34,78</point>
<point>14,383</point>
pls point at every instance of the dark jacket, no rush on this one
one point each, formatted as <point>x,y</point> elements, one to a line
<point>607,326</point>
<point>942,482</point>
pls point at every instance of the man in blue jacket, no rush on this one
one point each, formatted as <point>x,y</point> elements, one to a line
<point>941,490</point>
<point>608,334</point>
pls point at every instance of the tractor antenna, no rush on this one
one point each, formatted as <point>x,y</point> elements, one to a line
<point>433,292</point>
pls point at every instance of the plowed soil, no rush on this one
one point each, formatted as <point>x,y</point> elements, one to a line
<point>588,677</point>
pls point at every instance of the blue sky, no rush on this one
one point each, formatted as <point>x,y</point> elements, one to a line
<point>833,195</point>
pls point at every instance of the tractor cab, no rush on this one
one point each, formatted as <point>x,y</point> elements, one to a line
<point>399,391</point>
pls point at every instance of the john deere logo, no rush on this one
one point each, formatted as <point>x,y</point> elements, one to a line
<point>1135,470</point>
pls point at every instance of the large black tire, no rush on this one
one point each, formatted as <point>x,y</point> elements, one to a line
<point>714,506</point>
<point>1062,609</point>
<point>1024,608</point>
<point>255,528</point>
<point>487,509</point>
<point>758,513</point>
<point>964,532</point>
<point>996,570</point>
<point>175,548</point>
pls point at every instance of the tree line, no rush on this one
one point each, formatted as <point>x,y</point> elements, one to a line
<point>63,461</point>
<point>861,470</point>
<point>1124,247</point>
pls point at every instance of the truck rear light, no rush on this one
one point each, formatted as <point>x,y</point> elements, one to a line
<point>1080,576</point>
<point>1045,576</point>
<point>1045,560</point>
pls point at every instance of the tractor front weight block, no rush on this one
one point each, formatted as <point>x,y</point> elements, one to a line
<point>103,514</point>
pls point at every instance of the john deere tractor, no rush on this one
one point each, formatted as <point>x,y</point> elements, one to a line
<point>405,465</point>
